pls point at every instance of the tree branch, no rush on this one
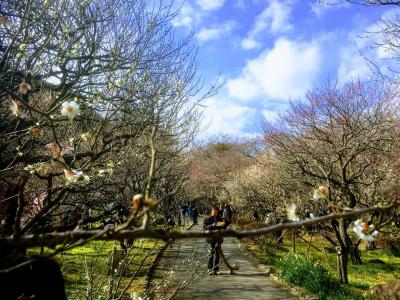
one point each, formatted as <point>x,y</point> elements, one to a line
<point>55,238</point>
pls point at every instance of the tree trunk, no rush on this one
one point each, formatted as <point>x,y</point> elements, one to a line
<point>342,256</point>
<point>343,251</point>
<point>150,178</point>
<point>11,204</point>
<point>371,245</point>
<point>294,240</point>
<point>355,254</point>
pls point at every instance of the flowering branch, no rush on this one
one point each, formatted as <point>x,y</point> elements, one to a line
<point>56,238</point>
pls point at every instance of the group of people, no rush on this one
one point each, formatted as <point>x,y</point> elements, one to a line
<point>190,211</point>
<point>216,220</point>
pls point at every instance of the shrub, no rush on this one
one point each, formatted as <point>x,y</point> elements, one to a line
<point>308,274</point>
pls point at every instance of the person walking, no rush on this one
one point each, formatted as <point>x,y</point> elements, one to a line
<point>227,215</point>
<point>183,211</point>
<point>213,222</point>
<point>195,215</point>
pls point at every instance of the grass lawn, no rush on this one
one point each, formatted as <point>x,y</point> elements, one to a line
<point>378,266</point>
<point>87,269</point>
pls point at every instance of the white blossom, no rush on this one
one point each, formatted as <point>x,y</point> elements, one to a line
<point>293,213</point>
<point>16,110</point>
<point>364,231</point>
<point>24,87</point>
<point>72,175</point>
<point>85,136</point>
<point>320,193</point>
<point>70,109</point>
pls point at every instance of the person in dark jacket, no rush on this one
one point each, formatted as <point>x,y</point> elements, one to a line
<point>227,215</point>
<point>213,222</point>
<point>195,215</point>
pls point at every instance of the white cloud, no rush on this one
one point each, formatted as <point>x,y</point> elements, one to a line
<point>187,16</point>
<point>287,70</point>
<point>250,43</point>
<point>319,8</point>
<point>210,4</point>
<point>190,15</point>
<point>383,53</point>
<point>274,19</point>
<point>270,115</point>
<point>352,64</point>
<point>223,117</point>
<point>207,34</point>
<point>362,43</point>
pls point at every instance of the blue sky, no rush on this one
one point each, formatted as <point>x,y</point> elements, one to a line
<point>272,51</point>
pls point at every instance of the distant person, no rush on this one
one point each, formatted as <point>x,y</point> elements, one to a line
<point>195,215</point>
<point>190,212</point>
<point>214,221</point>
<point>269,219</point>
<point>183,211</point>
<point>234,217</point>
<point>255,216</point>
<point>396,220</point>
<point>227,214</point>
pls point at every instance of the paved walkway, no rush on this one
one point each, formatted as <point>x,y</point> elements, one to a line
<point>181,274</point>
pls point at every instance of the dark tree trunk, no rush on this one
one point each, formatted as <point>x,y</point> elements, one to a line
<point>11,209</point>
<point>354,252</point>
<point>371,245</point>
<point>342,257</point>
<point>340,228</point>
<point>355,255</point>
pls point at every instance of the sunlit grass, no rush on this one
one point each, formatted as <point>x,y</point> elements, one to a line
<point>93,258</point>
<point>378,266</point>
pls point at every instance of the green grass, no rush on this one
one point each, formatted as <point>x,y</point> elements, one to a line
<point>361,277</point>
<point>93,259</point>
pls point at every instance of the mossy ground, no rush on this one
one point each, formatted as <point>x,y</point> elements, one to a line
<point>378,266</point>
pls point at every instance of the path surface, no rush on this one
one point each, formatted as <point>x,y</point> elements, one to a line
<point>185,262</point>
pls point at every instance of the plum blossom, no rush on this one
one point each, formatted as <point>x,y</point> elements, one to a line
<point>70,109</point>
<point>136,296</point>
<point>34,168</point>
<point>293,213</point>
<point>16,110</point>
<point>24,88</point>
<point>136,200</point>
<point>54,150</point>
<point>320,193</point>
<point>364,231</point>
<point>85,136</point>
<point>109,170</point>
<point>72,175</point>
<point>58,152</point>
<point>104,172</point>
<point>36,132</point>
<point>67,149</point>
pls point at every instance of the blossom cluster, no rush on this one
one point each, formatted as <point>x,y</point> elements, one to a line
<point>364,231</point>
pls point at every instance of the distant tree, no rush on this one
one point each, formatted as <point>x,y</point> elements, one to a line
<point>213,164</point>
<point>266,185</point>
<point>341,137</point>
